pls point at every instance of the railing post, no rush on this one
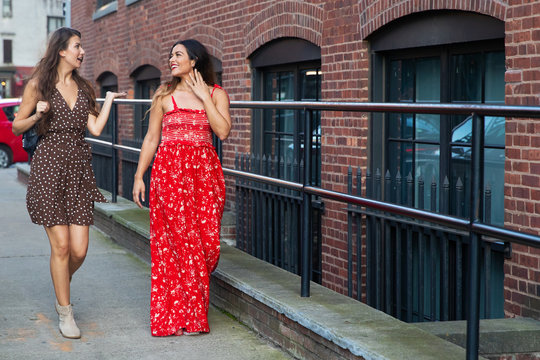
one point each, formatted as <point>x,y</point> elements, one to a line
<point>114,155</point>
<point>306,223</point>
<point>350,216</point>
<point>476,214</point>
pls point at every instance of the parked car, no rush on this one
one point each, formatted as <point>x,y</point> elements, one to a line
<point>11,150</point>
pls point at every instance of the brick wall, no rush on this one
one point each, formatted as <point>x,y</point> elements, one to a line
<point>345,69</point>
<point>143,32</point>
<point>522,175</point>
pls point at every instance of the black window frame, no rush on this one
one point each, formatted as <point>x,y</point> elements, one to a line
<point>8,51</point>
<point>147,79</point>
<point>291,55</point>
<point>102,3</point>
<point>108,81</point>
<point>286,55</point>
<point>447,122</point>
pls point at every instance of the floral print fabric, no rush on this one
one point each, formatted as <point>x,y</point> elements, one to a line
<point>187,197</point>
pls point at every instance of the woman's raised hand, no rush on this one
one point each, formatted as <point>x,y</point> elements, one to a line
<point>198,86</point>
<point>115,95</point>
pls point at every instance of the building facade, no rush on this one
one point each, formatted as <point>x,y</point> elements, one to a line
<point>410,51</point>
<point>24,40</point>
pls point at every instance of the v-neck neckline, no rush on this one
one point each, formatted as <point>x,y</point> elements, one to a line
<point>65,102</point>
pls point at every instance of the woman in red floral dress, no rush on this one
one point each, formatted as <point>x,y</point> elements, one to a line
<point>187,191</point>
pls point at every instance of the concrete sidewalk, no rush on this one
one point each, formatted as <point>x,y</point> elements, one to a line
<point>111,297</point>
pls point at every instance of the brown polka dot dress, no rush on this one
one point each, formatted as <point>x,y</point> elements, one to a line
<point>62,187</point>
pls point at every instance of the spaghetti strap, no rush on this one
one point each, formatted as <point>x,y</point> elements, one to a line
<point>174,103</point>
<point>216,86</point>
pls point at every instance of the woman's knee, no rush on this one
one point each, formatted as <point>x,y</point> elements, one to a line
<point>78,255</point>
<point>60,250</point>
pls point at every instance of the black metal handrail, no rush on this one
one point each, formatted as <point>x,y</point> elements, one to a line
<point>473,225</point>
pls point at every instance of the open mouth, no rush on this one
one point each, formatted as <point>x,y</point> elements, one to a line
<point>80,59</point>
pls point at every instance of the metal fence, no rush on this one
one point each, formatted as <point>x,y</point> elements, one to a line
<point>417,271</point>
<point>473,228</point>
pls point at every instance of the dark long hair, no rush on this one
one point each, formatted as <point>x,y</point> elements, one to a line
<point>46,75</point>
<point>203,63</point>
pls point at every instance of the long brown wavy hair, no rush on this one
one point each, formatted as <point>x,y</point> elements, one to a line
<point>46,75</point>
<point>203,63</point>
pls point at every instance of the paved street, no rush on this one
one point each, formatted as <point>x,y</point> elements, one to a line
<point>110,294</point>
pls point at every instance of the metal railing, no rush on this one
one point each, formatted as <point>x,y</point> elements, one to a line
<point>473,225</point>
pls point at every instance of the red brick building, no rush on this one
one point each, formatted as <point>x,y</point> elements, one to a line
<point>482,51</point>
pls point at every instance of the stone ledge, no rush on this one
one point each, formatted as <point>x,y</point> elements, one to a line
<point>521,335</point>
<point>363,331</point>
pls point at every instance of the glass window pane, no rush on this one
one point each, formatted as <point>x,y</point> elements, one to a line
<point>462,132</point>
<point>285,146</point>
<point>427,167</point>
<point>287,123</point>
<point>286,86</point>
<point>493,131</point>
<point>101,3</point>
<point>428,80</point>
<point>400,126</point>
<point>467,78</point>
<point>6,8</point>
<point>310,84</point>
<point>495,70</point>
<point>402,81</point>
<point>460,166</point>
<point>401,158</point>
<point>494,179</point>
<point>428,127</point>
<point>11,112</point>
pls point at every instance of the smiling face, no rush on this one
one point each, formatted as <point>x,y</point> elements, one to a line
<point>179,61</point>
<point>74,53</point>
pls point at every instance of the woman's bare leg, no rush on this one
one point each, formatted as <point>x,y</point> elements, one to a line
<point>59,263</point>
<point>78,246</point>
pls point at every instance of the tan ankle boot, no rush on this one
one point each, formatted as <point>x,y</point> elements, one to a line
<point>67,325</point>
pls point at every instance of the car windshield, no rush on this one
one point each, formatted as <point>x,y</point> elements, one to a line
<point>11,111</point>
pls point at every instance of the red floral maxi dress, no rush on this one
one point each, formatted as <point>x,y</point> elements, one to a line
<point>187,196</point>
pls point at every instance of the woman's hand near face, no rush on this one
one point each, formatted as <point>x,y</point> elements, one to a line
<point>198,86</point>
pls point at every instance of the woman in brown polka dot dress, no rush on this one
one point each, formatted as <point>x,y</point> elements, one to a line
<point>62,188</point>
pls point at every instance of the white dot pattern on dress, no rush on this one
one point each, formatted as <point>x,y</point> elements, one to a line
<point>62,187</point>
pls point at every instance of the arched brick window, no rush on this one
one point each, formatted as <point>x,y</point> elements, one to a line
<point>289,69</point>
<point>286,69</point>
<point>146,80</point>
<point>107,82</point>
<point>441,57</point>
<point>424,58</point>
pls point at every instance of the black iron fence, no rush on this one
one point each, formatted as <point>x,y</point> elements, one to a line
<point>402,230</point>
<point>269,218</point>
<point>413,270</point>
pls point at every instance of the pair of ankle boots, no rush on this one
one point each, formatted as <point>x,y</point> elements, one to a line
<point>67,325</point>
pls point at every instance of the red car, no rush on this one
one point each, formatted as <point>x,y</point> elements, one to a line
<point>11,150</point>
